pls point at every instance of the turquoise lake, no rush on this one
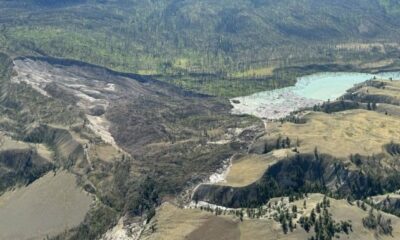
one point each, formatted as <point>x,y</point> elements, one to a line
<point>308,91</point>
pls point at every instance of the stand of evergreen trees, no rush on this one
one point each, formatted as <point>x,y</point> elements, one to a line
<point>325,227</point>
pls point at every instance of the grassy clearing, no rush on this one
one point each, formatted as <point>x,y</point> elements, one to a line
<point>181,63</point>
<point>229,87</point>
<point>254,72</point>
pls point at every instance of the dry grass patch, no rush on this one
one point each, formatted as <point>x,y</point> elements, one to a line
<point>217,228</point>
<point>269,229</point>
<point>393,84</point>
<point>249,168</point>
<point>255,72</point>
<point>49,206</point>
<point>377,64</point>
<point>380,198</point>
<point>342,134</point>
<point>173,223</point>
<point>342,210</point>
<point>390,91</point>
<point>105,152</point>
<point>6,143</point>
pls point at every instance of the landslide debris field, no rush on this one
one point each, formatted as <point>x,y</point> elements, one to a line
<point>344,148</point>
<point>125,141</point>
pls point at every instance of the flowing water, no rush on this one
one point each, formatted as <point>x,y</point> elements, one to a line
<point>308,91</point>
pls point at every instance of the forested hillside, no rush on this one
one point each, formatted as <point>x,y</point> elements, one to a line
<point>218,39</point>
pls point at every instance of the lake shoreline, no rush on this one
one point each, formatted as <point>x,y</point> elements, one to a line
<point>309,90</point>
